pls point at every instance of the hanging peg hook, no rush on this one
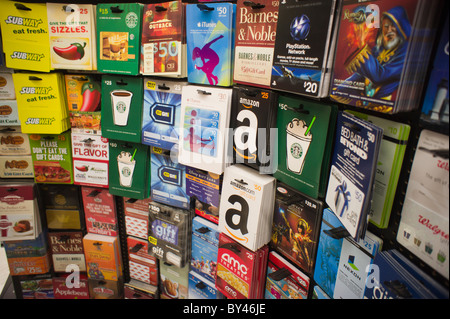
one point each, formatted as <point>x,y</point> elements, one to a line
<point>204,7</point>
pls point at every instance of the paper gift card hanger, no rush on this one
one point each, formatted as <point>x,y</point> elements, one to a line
<point>25,36</point>
<point>71,32</point>
<point>163,40</point>
<point>256,25</point>
<point>205,117</point>
<point>253,118</point>
<point>210,43</point>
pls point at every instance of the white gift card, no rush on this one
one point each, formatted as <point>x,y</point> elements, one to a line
<point>246,206</point>
<point>205,117</point>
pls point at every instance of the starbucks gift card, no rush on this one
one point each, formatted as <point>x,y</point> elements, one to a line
<point>119,27</point>
<point>246,206</point>
<point>304,47</point>
<point>253,119</point>
<point>129,169</point>
<point>305,129</point>
<point>353,169</point>
<point>210,43</point>
<point>121,109</point>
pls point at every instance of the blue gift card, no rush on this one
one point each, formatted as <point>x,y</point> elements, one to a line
<point>161,113</point>
<point>205,247</point>
<point>168,180</point>
<point>210,43</point>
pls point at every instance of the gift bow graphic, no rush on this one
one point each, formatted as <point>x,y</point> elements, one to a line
<point>342,189</point>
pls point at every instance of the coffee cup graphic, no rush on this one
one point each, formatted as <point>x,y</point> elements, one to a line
<point>298,140</point>
<point>126,164</point>
<point>121,101</point>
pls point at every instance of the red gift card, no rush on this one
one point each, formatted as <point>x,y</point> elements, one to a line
<point>239,270</point>
<point>100,211</point>
<point>65,287</point>
<point>136,216</point>
<point>142,265</point>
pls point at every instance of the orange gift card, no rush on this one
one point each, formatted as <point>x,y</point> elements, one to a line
<point>102,257</point>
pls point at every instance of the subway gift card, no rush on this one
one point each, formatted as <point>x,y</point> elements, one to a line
<point>25,36</point>
<point>41,103</point>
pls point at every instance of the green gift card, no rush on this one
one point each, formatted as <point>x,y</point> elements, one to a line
<point>129,169</point>
<point>389,164</point>
<point>52,158</point>
<point>122,98</point>
<point>118,37</point>
<point>305,137</point>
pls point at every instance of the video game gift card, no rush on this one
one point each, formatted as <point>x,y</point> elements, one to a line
<point>301,51</point>
<point>296,226</point>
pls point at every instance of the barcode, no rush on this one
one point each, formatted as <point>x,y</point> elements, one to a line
<point>67,258</point>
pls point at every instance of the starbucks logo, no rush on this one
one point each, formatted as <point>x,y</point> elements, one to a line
<point>296,150</point>
<point>121,107</point>
<point>126,172</point>
<point>131,20</point>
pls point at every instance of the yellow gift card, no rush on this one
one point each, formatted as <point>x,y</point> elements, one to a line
<point>41,103</point>
<point>25,36</point>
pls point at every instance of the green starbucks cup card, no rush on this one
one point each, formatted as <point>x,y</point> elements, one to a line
<point>129,169</point>
<point>305,131</point>
<point>122,99</point>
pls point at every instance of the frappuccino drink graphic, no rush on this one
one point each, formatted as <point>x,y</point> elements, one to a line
<point>126,164</point>
<point>298,140</point>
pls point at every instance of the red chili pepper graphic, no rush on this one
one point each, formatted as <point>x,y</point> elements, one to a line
<point>82,168</point>
<point>91,97</point>
<point>73,52</point>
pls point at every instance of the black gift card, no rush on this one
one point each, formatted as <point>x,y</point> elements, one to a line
<point>253,118</point>
<point>301,51</point>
